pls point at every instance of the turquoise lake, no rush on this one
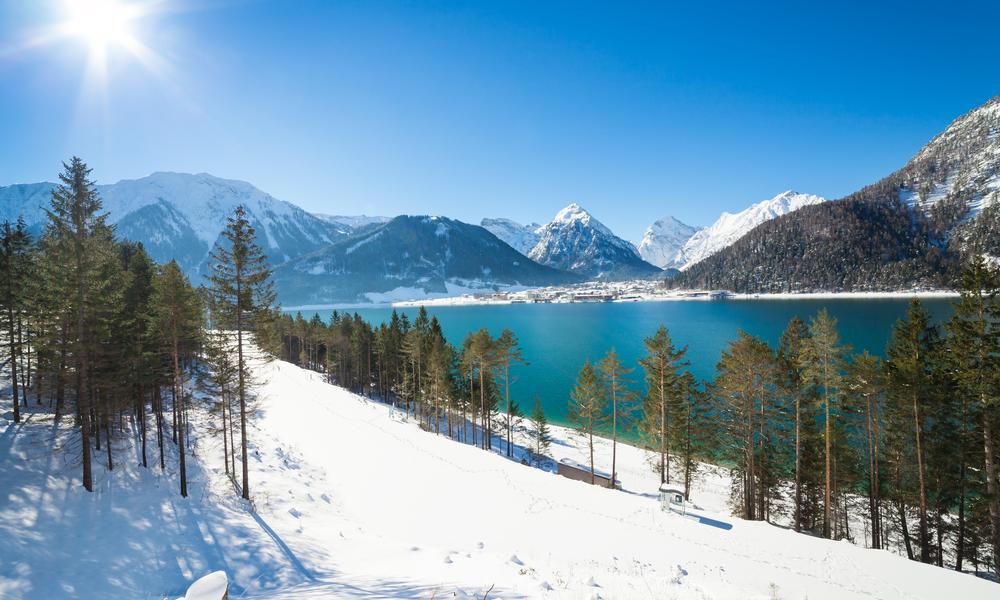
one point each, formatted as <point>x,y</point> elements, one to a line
<point>557,338</point>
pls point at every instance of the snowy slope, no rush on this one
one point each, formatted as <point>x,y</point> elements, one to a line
<point>353,500</point>
<point>519,237</point>
<point>663,241</point>
<point>730,227</point>
<point>180,216</point>
<point>960,165</point>
<point>576,241</point>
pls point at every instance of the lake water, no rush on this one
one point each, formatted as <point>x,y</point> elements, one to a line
<point>557,338</point>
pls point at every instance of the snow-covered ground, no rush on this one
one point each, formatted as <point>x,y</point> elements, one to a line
<point>354,500</point>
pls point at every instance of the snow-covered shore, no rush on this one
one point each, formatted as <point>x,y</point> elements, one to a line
<point>353,500</point>
<point>558,296</point>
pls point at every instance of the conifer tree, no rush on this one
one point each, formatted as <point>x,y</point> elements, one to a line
<point>615,380</point>
<point>975,344</point>
<point>909,358</point>
<point>743,387</point>
<point>15,259</point>
<point>541,435</point>
<point>508,353</point>
<point>586,407</point>
<point>864,391</point>
<point>822,362</point>
<point>662,364</point>
<point>789,369</point>
<point>178,321</point>
<point>242,290</point>
<point>78,236</point>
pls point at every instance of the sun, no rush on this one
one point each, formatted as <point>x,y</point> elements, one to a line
<point>101,23</point>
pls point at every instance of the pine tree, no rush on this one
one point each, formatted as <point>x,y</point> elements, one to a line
<point>586,407</point>
<point>822,361</point>
<point>908,362</point>
<point>177,317</point>
<point>541,436</point>
<point>663,367</point>
<point>616,382</point>
<point>975,344</point>
<point>15,258</point>
<point>78,236</point>
<point>242,289</point>
<point>790,382</point>
<point>743,387</point>
<point>864,390</point>
<point>508,353</point>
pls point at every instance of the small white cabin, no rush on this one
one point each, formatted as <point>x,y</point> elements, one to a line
<point>672,498</point>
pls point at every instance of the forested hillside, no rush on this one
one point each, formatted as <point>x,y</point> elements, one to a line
<point>908,230</point>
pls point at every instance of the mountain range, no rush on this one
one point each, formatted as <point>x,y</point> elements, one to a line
<point>180,216</point>
<point>575,241</point>
<point>411,257</point>
<point>670,244</point>
<point>909,229</point>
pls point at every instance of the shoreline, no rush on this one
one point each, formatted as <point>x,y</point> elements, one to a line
<point>684,296</point>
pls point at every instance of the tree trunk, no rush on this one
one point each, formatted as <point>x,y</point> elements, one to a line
<point>158,401</point>
<point>13,362</point>
<point>798,461</point>
<point>991,486</point>
<point>923,535</point>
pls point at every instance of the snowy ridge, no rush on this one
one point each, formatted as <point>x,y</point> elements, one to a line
<point>960,164</point>
<point>663,240</point>
<point>519,237</point>
<point>730,227</point>
<point>352,222</point>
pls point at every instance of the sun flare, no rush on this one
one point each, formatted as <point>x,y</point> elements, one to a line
<point>101,23</point>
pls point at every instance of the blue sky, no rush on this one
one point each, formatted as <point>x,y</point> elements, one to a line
<point>502,108</point>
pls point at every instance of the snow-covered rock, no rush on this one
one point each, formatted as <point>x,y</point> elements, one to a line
<point>576,241</point>
<point>210,587</point>
<point>663,241</point>
<point>730,227</point>
<point>519,237</point>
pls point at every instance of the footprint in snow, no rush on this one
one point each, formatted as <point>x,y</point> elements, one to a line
<point>545,586</point>
<point>447,559</point>
<point>591,582</point>
<point>414,548</point>
<point>326,498</point>
<point>514,559</point>
<point>480,545</point>
<point>294,512</point>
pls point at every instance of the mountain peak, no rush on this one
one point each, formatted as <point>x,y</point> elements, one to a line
<point>572,212</point>
<point>575,241</point>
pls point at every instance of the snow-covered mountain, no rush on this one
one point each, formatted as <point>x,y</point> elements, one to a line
<point>730,227</point>
<point>575,241</point>
<point>663,241</point>
<point>519,237</point>
<point>180,216</point>
<point>410,257</point>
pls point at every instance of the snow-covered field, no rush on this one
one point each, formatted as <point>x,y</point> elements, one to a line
<point>353,500</point>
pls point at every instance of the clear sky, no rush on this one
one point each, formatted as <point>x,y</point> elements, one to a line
<point>497,108</point>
